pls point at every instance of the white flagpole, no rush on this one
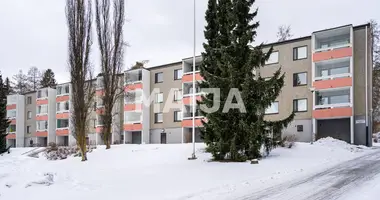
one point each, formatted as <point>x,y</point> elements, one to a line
<point>193,100</point>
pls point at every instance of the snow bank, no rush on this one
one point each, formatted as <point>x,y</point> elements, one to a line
<point>339,144</point>
<point>160,172</point>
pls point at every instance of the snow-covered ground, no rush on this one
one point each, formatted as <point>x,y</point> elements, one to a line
<point>162,172</point>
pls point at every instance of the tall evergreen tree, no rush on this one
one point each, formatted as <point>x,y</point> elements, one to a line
<point>8,87</point>
<point>4,122</point>
<point>48,79</point>
<point>230,62</point>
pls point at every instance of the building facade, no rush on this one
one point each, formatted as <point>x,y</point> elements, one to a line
<point>328,84</point>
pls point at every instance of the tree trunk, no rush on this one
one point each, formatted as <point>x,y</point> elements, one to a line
<point>83,149</point>
<point>108,144</point>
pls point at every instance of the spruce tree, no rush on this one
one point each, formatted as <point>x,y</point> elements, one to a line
<point>215,133</point>
<point>4,122</point>
<point>231,62</point>
<point>48,79</point>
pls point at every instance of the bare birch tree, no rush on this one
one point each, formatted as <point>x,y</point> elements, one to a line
<point>284,33</point>
<point>79,21</point>
<point>109,27</point>
<point>34,78</point>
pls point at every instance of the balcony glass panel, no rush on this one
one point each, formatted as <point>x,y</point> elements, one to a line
<point>333,38</point>
<point>11,113</point>
<point>42,109</point>
<point>188,112</point>
<point>188,89</point>
<point>189,67</point>
<point>333,97</point>
<point>11,128</point>
<point>133,76</point>
<point>63,89</point>
<point>132,117</point>
<point>11,99</point>
<point>43,93</point>
<point>332,67</point>
<point>42,125</point>
<point>62,123</point>
<point>133,97</point>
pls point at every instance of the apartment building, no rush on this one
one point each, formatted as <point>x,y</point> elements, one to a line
<point>15,112</point>
<point>328,84</point>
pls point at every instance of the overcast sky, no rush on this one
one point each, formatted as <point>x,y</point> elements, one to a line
<point>34,33</point>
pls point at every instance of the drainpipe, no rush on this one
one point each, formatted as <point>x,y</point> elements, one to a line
<point>366,86</point>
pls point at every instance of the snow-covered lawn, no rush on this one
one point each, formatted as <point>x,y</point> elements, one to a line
<point>161,172</point>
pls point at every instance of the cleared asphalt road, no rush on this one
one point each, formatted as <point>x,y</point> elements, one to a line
<point>327,185</point>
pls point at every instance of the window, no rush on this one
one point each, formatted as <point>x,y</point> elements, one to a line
<point>177,74</point>
<point>62,123</point>
<point>273,58</point>
<point>95,106</point>
<point>160,97</point>
<point>42,109</point>
<point>11,113</point>
<point>300,53</point>
<point>299,128</point>
<point>158,118</point>
<point>273,109</point>
<point>177,116</point>
<point>42,125</point>
<point>29,100</point>
<point>177,95</point>
<point>29,115</point>
<point>300,79</point>
<point>28,129</point>
<point>159,77</point>
<point>300,105</point>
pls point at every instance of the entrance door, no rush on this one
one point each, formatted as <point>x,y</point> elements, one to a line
<point>136,137</point>
<point>163,138</point>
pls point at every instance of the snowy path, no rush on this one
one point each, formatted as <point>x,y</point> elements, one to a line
<point>333,183</point>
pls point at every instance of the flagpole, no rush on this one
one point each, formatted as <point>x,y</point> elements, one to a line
<point>193,96</point>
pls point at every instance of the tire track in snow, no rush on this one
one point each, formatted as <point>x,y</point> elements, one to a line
<point>329,184</point>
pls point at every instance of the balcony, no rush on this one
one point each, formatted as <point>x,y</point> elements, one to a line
<point>133,97</point>
<point>62,124</point>
<point>188,89</point>
<point>331,69</point>
<point>333,39</point>
<point>188,112</point>
<point>42,126</point>
<point>11,114</point>
<point>11,129</point>
<point>132,117</point>
<point>43,93</point>
<point>63,90</point>
<point>188,65</point>
<point>333,104</point>
<point>133,77</point>
<point>333,74</point>
<point>333,44</point>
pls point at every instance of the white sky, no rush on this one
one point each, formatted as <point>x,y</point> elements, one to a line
<point>34,33</point>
